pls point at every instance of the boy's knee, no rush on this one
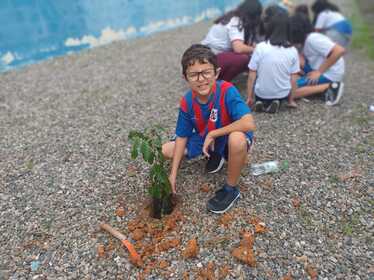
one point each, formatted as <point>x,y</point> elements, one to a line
<point>238,141</point>
<point>168,149</point>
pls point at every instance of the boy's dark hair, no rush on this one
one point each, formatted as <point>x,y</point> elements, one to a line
<point>276,26</point>
<point>322,5</point>
<point>300,27</point>
<point>198,53</point>
<point>302,9</point>
<point>249,14</point>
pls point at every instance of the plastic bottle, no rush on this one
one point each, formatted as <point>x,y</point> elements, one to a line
<point>371,109</point>
<point>267,167</point>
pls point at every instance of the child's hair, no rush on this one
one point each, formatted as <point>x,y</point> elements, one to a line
<point>276,26</point>
<point>302,9</point>
<point>198,53</point>
<point>249,14</point>
<point>300,27</point>
<point>322,5</point>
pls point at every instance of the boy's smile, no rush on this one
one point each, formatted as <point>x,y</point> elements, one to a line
<point>201,78</point>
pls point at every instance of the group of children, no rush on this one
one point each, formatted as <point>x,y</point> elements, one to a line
<point>287,58</point>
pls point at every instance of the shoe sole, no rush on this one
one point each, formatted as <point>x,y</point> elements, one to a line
<point>338,97</point>
<point>219,166</point>
<point>273,108</point>
<point>227,208</point>
<point>258,108</point>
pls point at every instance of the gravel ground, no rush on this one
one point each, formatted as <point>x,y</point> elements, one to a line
<point>65,167</point>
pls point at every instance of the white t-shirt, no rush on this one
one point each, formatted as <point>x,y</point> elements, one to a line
<point>274,66</point>
<point>316,49</point>
<point>220,37</point>
<point>327,18</point>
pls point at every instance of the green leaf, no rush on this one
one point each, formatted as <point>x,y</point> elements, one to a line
<point>135,134</point>
<point>135,147</point>
<point>147,152</point>
<point>154,191</point>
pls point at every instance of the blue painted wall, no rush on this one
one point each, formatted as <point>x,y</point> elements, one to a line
<point>32,30</point>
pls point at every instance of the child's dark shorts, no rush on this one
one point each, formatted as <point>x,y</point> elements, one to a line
<point>195,146</point>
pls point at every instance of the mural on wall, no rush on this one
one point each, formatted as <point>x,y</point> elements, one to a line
<point>33,30</point>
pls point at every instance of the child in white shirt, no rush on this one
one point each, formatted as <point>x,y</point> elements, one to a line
<point>233,36</point>
<point>329,21</point>
<point>274,65</point>
<point>324,63</point>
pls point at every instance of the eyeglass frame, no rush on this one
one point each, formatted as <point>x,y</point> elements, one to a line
<point>202,74</point>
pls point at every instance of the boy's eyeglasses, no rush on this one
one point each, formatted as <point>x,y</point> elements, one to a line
<point>195,76</point>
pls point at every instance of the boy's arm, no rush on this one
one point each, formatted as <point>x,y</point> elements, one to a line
<point>250,83</point>
<point>244,124</point>
<point>336,53</point>
<point>179,148</point>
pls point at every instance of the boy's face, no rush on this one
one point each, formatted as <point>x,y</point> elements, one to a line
<point>201,77</point>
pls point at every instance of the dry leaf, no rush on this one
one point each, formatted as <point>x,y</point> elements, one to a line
<point>312,272</point>
<point>350,175</point>
<point>131,171</point>
<point>137,234</point>
<point>148,250</point>
<point>248,240</point>
<point>245,255</point>
<point>303,259</point>
<point>260,226</point>
<point>186,276</point>
<point>296,202</point>
<point>207,273</point>
<point>244,252</point>
<point>110,246</point>
<point>166,245</point>
<point>163,264</point>
<point>120,211</point>
<point>223,272</point>
<point>254,220</point>
<point>226,219</point>
<point>287,277</point>
<point>100,250</point>
<point>205,188</point>
<point>191,250</point>
<point>267,184</point>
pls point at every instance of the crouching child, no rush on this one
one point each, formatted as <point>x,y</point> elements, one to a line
<point>214,121</point>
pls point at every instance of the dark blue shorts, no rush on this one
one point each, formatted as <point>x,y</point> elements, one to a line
<point>195,146</point>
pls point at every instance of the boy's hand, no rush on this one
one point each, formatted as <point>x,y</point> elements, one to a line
<point>250,101</point>
<point>313,77</point>
<point>208,143</point>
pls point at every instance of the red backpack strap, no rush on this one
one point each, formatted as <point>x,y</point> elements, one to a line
<point>199,118</point>
<point>183,104</point>
<point>225,118</point>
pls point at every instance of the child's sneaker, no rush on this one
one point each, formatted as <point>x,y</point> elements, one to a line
<point>223,200</point>
<point>259,106</point>
<point>215,162</point>
<point>273,107</point>
<point>334,93</point>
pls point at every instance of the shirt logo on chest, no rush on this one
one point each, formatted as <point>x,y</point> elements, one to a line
<point>213,115</point>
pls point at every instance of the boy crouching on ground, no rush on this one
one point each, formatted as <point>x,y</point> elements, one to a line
<point>213,120</point>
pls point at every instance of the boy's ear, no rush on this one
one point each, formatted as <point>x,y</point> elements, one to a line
<point>218,71</point>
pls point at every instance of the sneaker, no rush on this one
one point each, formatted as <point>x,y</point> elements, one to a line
<point>215,162</point>
<point>334,93</point>
<point>273,107</point>
<point>259,106</point>
<point>223,200</point>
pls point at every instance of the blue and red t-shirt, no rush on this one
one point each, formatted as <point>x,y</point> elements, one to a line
<point>224,106</point>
